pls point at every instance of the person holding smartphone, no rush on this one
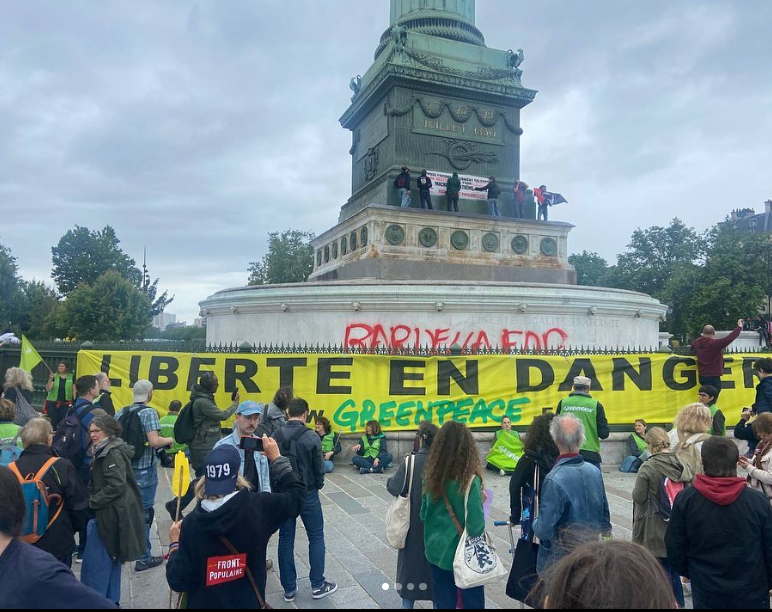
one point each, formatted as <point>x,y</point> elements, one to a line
<point>254,465</point>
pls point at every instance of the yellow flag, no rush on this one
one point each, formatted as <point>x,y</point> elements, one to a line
<point>29,356</point>
<point>181,478</point>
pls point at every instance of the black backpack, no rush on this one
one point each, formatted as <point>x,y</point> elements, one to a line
<point>289,447</point>
<point>185,425</point>
<point>133,432</point>
<point>68,441</point>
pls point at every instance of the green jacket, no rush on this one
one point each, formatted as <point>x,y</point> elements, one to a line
<point>53,395</point>
<point>117,503</point>
<point>207,418</point>
<point>440,535</point>
<point>453,186</point>
<point>328,443</point>
<point>8,433</point>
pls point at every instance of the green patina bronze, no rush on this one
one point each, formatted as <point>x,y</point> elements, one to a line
<point>428,237</point>
<point>437,98</point>
<point>490,242</point>
<point>460,240</point>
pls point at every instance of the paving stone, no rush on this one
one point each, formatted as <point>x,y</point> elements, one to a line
<point>373,582</point>
<point>348,504</point>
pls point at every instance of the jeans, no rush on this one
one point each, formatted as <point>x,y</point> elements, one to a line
<point>404,195</point>
<point>543,212</point>
<point>675,581</point>
<point>713,381</point>
<point>426,200</point>
<point>147,481</point>
<point>493,207</point>
<point>453,203</point>
<point>313,520</point>
<point>100,572</point>
<point>329,466</point>
<point>519,210</point>
<point>446,592</point>
<point>367,463</point>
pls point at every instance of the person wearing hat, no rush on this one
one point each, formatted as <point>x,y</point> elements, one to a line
<point>425,190</point>
<point>217,553</point>
<point>254,466</point>
<point>402,182</point>
<point>592,415</point>
<point>494,191</point>
<point>141,427</point>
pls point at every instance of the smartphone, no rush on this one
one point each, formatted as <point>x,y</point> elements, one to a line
<point>251,444</point>
<point>234,395</point>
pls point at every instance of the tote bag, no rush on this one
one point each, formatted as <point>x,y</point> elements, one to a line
<point>398,516</point>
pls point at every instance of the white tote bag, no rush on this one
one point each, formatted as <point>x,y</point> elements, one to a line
<point>476,562</point>
<point>398,516</point>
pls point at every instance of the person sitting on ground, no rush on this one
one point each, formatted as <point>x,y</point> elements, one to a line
<point>231,521</point>
<point>760,467</point>
<point>583,580</point>
<point>372,456</point>
<point>763,401</point>
<point>720,535</point>
<point>31,578</point>
<point>690,431</point>
<point>68,509</point>
<point>330,444</point>
<point>274,415</point>
<point>506,450</point>
<point>636,446</point>
<point>707,395</point>
<point>650,516</point>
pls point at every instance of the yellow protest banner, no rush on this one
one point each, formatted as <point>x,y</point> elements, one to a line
<point>401,391</point>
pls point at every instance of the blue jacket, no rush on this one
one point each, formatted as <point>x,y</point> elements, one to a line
<point>763,401</point>
<point>573,508</point>
<point>263,470</point>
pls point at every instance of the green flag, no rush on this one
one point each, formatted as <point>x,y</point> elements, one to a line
<point>29,356</point>
<point>506,451</point>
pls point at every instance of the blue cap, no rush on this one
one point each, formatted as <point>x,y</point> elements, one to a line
<point>221,469</point>
<point>250,408</point>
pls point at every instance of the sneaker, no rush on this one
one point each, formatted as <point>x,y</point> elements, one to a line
<point>365,471</point>
<point>141,566</point>
<point>290,597</point>
<point>502,473</point>
<point>378,470</point>
<point>328,588</point>
<point>79,558</point>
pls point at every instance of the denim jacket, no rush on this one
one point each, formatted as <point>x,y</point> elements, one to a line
<point>263,469</point>
<point>573,509</point>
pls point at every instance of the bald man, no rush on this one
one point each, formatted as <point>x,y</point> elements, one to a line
<point>709,352</point>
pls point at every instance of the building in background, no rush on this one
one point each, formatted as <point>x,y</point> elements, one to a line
<point>164,320</point>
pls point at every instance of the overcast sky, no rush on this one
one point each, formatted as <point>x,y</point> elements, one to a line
<point>196,128</point>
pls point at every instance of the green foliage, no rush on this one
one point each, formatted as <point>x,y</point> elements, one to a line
<point>110,309</point>
<point>11,295</point>
<point>40,301</point>
<point>591,269</point>
<point>290,259</point>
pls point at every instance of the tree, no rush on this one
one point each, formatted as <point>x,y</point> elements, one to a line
<point>11,294</point>
<point>39,302</point>
<point>83,256</point>
<point>290,259</point>
<point>159,303</point>
<point>591,269</point>
<point>110,309</point>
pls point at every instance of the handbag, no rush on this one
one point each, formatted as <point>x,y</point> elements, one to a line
<point>523,575</point>
<point>398,516</point>
<point>476,562</point>
<point>24,411</point>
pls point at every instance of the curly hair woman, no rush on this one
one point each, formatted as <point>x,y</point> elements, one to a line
<point>18,382</point>
<point>453,467</point>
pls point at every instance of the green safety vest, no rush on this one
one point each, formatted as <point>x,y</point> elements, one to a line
<point>9,434</point>
<point>586,410</point>
<point>167,431</point>
<point>371,451</point>
<point>641,443</point>
<point>328,443</point>
<point>506,451</point>
<point>53,396</point>
<point>713,410</point>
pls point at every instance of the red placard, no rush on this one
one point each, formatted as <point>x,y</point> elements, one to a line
<point>220,570</point>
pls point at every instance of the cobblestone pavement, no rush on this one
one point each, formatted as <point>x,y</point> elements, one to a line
<point>358,558</point>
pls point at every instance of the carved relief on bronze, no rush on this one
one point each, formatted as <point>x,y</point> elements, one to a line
<point>460,240</point>
<point>428,237</point>
<point>490,242</point>
<point>549,247</point>
<point>371,164</point>
<point>395,234</point>
<point>461,154</point>
<point>520,244</point>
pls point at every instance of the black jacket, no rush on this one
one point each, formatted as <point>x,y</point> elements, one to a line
<point>105,402</point>
<point>247,521</point>
<point>724,549</point>
<point>11,393</point>
<point>61,480</point>
<point>310,463</point>
<point>493,189</point>
<point>523,475</point>
<point>406,175</point>
<point>424,183</point>
<point>763,401</point>
<point>33,579</point>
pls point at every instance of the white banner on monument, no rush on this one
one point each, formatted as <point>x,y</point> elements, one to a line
<point>468,184</point>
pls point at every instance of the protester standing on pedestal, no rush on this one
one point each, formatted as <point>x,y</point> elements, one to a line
<point>453,189</point>
<point>519,192</point>
<point>542,203</point>
<point>402,182</point>
<point>709,353</point>
<point>494,191</point>
<point>425,191</point>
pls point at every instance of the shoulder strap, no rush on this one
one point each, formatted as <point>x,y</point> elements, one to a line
<point>14,468</point>
<point>233,550</point>
<point>409,465</point>
<point>453,516</point>
<point>46,466</point>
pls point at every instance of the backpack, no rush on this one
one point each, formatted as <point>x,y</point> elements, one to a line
<point>401,181</point>
<point>688,454</point>
<point>185,426</point>
<point>9,450</point>
<point>494,191</point>
<point>37,502</point>
<point>668,491</point>
<point>289,448</point>
<point>68,440</point>
<point>133,431</point>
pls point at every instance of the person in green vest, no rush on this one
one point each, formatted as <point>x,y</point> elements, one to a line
<point>61,394</point>
<point>10,440</point>
<point>167,427</point>
<point>591,413</point>
<point>637,448</point>
<point>506,450</point>
<point>372,456</point>
<point>330,444</point>
<point>708,396</point>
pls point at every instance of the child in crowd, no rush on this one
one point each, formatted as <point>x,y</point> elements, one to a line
<point>330,443</point>
<point>372,455</point>
<point>167,431</point>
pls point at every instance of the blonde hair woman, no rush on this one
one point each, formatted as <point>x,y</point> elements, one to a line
<point>690,430</point>
<point>18,389</point>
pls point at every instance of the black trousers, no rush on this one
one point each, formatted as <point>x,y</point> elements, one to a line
<point>453,203</point>
<point>713,381</point>
<point>426,200</point>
